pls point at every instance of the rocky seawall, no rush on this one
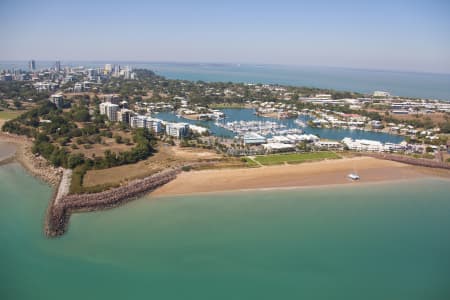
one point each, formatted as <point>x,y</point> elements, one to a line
<point>61,207</point>
<point>410,160</point>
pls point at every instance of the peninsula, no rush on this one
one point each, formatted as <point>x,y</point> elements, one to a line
<point>104,136</point>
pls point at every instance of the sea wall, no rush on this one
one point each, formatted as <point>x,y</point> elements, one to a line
<point>410,160</point>
<point>61,208</point>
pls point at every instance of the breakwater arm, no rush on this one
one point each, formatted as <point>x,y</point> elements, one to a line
<point>63,205</point>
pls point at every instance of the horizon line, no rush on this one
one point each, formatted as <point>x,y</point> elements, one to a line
<point>231,63</point>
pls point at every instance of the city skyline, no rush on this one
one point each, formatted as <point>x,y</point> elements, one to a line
<point>404,35</point>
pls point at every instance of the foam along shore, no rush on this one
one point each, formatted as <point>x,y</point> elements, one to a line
<point>328,172</point>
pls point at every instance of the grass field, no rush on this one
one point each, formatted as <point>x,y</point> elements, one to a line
<point>166,157</point>
<point>227,105</point>
<point>7,115</point>
<point>250,162</point>
<point>294,158</point>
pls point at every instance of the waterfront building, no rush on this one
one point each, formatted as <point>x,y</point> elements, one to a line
<point>124,115</point>
<point>278,147</point>
<point>154,125</point>
<point>150,123</point>
<point>198,129</point>
<point>110,110</point>
<point>138,121</point>
<point>253,138</point>
<point>177,130</point>
<point>363,145</point>
<point>332,145</point>
<point>57,99</point>
<point>376,124</point>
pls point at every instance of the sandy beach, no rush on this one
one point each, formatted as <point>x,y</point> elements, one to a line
<point>327,172</point>
<point>13,147</point>
<point>7,151</point>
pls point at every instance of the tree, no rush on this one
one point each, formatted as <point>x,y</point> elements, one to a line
<point>74,160</point>
<point>118,139</point>
<point>17,104</point>
<point>81,115</point>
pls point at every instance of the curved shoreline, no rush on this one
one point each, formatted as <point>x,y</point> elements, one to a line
<point>299,188</point>
<point>37,166</point>
<point>312,174</point>
<point>373,167</point>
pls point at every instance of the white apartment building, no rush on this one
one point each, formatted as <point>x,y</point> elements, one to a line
<point>325,144</point>
<point>57,99</point>
<point>178,130</point>
<point>124,115</point>
<point>363,145</point>
<point>152,124</point>
<point>110,110</point>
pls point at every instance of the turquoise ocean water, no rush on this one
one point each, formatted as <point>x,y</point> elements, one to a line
<point>408,84</point>
<point>376,241</point>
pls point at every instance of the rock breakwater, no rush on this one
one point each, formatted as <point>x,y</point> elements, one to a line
<point>60,208</point>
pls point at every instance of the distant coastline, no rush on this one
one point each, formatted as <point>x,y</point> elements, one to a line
<point>400,83</point>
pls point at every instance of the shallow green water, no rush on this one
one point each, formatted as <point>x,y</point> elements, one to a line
<point>359,242</point>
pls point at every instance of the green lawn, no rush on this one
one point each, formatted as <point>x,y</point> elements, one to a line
<point>226,105</point>
<point>294,158</point>
<point>250,162</point>
<point>7,115</point>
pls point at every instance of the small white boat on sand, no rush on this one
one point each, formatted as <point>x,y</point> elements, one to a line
<point>353,176</point>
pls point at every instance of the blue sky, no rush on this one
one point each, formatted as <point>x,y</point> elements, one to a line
<point>382,34</point>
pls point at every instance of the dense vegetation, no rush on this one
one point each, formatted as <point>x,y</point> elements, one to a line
<point>52,129</point>
<point>19,91</point>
